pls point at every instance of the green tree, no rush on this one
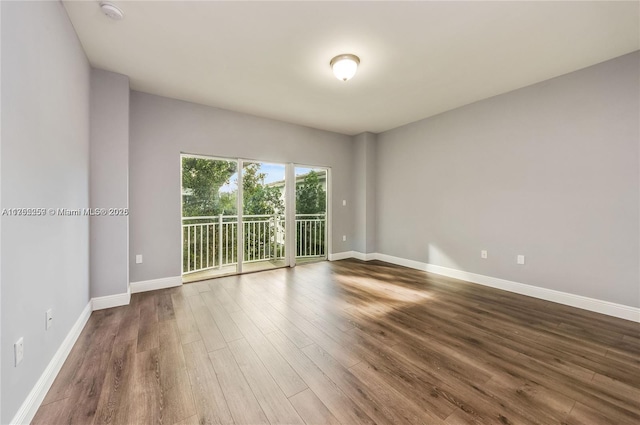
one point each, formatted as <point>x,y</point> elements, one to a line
<point>259,198</point>
<point>201,182</point>
<point>311,198</point>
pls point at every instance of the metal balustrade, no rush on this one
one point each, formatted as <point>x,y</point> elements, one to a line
<point>263,237</point>
<point>310,235</point>
<point>211,242</point>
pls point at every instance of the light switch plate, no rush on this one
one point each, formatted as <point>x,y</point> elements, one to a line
<point>18,350</point>
<point>48,319</point>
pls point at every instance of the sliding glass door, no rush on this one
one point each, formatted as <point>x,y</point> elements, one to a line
<point>311,214</point>
<point>263,215</point>
<point>235,216</point>
<point>209,217</point>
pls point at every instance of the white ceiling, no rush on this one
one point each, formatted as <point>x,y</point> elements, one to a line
<point>418,59</point>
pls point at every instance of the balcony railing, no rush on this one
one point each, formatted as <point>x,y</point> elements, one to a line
<point>211,242</point>
<point>310,235</point>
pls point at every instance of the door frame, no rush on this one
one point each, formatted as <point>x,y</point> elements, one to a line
<point>327,233</point>
<point>240,206</point>
<point>290,208</point>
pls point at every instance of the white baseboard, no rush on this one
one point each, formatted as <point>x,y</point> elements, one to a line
<point>412,264</point>
<point>579,301</point>
<point>31,404</point>
<point>352,254</point>
<point>342,255</point>
<point>364,257</point>
<point>100,303</point>
<point>152,285</point>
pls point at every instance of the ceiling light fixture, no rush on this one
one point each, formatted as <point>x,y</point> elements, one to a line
<point>111,10</point>
<point>345,66</point>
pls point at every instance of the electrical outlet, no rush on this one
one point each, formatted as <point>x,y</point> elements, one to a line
<point>18,350</point>
<point>48,319</point>
<point>344,238</point>
<point>520,259</point>
<point>344,202</point>
<point>483,253</point>
<point>139,259</point>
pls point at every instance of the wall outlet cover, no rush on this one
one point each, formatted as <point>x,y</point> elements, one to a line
<point>48,319</point>
<point>18,349</point>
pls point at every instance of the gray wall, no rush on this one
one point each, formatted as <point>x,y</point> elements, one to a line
<point>45,163</point>
<point>162,128</point>
<point>364,181</point>
<point>109,182</point>
<point>549,171</point>
<point>1,204</point>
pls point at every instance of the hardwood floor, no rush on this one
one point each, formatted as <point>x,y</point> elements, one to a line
<point>348,343</point>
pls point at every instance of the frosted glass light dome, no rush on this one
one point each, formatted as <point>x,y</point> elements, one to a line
<point>345,66</point>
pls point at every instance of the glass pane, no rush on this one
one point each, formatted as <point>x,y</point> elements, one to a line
<point>263,215</point>
<point>311,214</point>
<point>209,217</point>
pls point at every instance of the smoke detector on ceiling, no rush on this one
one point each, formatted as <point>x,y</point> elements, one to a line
<point>111,10</point>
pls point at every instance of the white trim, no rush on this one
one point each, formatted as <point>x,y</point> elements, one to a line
<point>352,254</point>
<point>240,242</point>
<point>359,255</point>
<point>342,255</point>
<point>328,225</point>
<point>31,404</point>
<point>100,303</point>
<point>290,215</point>
<point>599,306</point>
<point>152,285</point>
<point>364,257</point>
<point>412,264</point>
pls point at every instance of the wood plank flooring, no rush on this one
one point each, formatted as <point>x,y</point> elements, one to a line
<point>347,343</point>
